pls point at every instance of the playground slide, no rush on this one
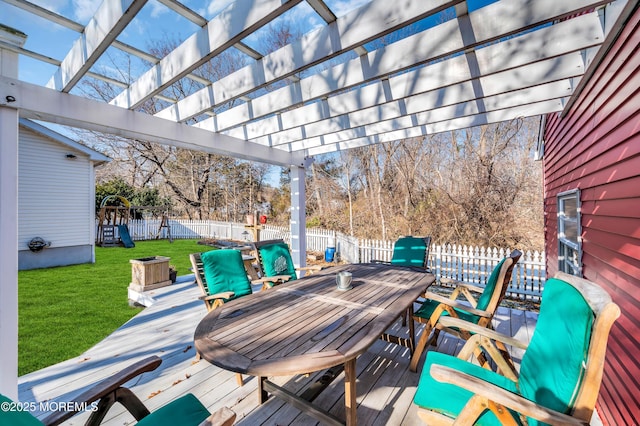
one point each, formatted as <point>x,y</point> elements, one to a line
<point>123,230</point>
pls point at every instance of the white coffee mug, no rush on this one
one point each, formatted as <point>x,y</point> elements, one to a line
<point>343,280</point>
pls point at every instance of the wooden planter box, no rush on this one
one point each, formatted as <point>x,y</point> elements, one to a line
<point>149,273</point>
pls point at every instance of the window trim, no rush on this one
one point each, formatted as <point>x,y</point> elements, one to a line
<point>563,263</point>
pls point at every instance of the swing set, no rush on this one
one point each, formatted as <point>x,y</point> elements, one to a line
<point>115,213</point>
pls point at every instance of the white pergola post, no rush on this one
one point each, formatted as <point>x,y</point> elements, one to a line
<point>9,220</point>
<point>298,218</point>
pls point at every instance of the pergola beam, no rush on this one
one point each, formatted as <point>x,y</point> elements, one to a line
<point>235,22</point>
<point>200,21</point>
<point>321,9</point>
<point>77,27</point>
<point>515,72</point>
<point>429,45</point>
<point>34,9</point>
<point>109,21</point>
<point>45,104</point>
<point>445,126</point>
<point>505,102</point>
<point>355,28</point>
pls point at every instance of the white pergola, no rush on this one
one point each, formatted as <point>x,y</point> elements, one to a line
<point>386,71</point>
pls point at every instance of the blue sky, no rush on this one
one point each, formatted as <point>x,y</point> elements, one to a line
<point>154,22</point>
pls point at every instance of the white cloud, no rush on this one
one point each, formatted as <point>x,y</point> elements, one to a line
<point>157,9</point>
<point>341,7</point>
<point>85,9</point>
<point>216,6</point>
<point>57,6</point>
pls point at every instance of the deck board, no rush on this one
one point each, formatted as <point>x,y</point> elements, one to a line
<point>385,385</point>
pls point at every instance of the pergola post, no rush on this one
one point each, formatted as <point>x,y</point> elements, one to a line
<point>298,218</point>
<point>9,220</point>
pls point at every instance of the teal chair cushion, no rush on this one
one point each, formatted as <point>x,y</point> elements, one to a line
<point>448,399</point>
<point>552,367</point>
<point>224,271</point>
<point>427,308</point>
<point>276,260</point>
<point>485,297</point>
<point>186,411</point>
<point>14,417</point>
<point>409,251</point>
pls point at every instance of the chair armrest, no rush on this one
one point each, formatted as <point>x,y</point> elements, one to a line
<point>501,396</point>
<point>310,268</point>
<point>223,295</point>
<point>455,304</point>
<point>274,278</point>
<point>458,323</point>
<point>107,386</point>
<point>222,417</point>
<point>455,283</point>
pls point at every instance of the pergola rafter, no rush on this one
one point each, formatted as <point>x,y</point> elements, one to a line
<point>433,44</point>
<point>452,82</point>
<point>471,63</point>
<point>100,32</point>
<point>235,22</point>
<point>322,44</point>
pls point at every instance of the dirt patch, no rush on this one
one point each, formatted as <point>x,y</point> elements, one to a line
<point>317,258</point>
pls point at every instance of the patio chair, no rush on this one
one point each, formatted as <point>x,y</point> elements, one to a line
<point>222,277</point>
<point>479,311</point>
<point>186,410</point>
<point>560,372</point>
<point>410,251</point>
<point>274,259</point>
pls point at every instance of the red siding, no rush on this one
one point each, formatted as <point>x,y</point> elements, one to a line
<point>596,147</point>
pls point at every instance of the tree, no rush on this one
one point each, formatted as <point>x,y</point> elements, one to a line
<point>200,185</point>
<point>120,188</point>
<point>486,171</point>
<point>477,186</point>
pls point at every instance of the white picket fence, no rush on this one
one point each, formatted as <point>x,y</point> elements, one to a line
<point>471,264</point>
<point>460,262</point>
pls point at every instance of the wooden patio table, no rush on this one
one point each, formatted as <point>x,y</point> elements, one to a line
<point>309,325</point>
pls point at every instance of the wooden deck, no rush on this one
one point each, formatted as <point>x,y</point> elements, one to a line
<point>385,386</point>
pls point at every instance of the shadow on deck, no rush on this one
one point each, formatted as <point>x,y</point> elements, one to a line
<point>385,385</point>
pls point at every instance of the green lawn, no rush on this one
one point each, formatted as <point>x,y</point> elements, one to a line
<point>66,310</point>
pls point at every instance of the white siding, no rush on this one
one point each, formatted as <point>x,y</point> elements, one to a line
<point>54,193</point>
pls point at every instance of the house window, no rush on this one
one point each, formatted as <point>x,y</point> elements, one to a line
<point>569,240</point>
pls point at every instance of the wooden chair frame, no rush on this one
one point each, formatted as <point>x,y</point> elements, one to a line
<point>433,326</point>
<point>212,301</point>
<point>259,244</point>
<point>500,401</point>
<point>111,390</point>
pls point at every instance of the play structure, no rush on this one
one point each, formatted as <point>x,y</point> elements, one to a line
<point>114,216</point>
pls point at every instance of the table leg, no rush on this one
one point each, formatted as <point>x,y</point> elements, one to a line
<point>412,330</point>
<point>350,391</point>
<point>263,395</point>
